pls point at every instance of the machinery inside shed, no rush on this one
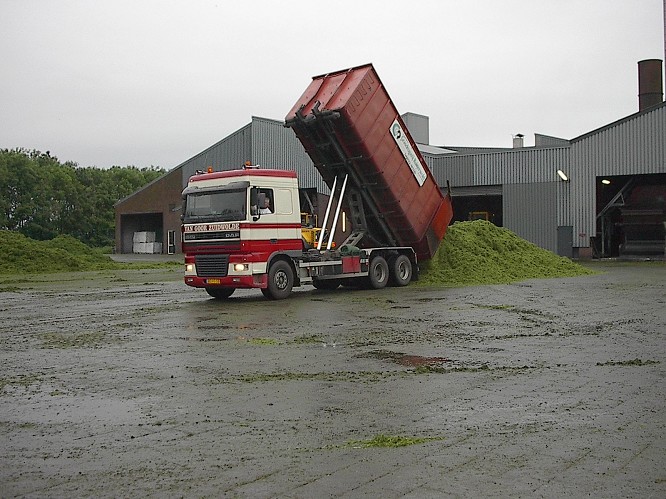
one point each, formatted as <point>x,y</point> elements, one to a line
<point>631,216</point>
<point>478,206</point>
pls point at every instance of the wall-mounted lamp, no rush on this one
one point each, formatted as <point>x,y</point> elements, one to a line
<point>605,181</point>
<point>563,175</point>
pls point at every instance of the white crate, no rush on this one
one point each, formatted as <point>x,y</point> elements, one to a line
<point>140,247</point>
<point>144,237</point>
<point>147,248</point>
<point>154,247</point>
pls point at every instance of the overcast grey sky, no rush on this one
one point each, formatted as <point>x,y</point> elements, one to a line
<point>154,82</point>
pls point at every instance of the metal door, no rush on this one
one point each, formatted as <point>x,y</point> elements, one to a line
<point>565,241</point>
<point>171,243</point>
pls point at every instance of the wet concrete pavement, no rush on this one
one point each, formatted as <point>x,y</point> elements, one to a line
<point>129,383</point>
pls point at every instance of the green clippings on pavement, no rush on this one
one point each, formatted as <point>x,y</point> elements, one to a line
<point>343,376</point>
<point>495,307</point>
<point>72,340</point>
<point>390,441</point>
<point>306,339</point>
<point>478,252</point>
<point>469,369</point>
<point>262,341</point>
<point>634,362</point>
<point>364,376</point>
<point>22,380</point>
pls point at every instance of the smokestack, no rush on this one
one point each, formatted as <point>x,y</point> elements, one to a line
<point>650,91</point>
<point>518,141</point>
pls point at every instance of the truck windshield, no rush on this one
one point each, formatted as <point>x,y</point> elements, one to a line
<point>216,206</point>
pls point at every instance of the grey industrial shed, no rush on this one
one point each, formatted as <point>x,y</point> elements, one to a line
<point>519,184</point>
<point>262,142</point>
<point>539,205</point>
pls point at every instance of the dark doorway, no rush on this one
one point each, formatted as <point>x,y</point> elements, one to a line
<point>140,222</point>
<point>631,213</point>
<point>478,207</point>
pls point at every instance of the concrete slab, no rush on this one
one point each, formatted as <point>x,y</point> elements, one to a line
<point>129,383</point>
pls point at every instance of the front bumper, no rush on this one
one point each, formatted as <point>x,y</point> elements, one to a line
<point>246,281</point>
<point>239,275</point>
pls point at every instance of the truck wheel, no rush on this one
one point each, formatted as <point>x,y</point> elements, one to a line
<point>220,293</point>
<point>378,273</point>
<point>280,281</point>
<point>327,284</point>
<point>401,271</point>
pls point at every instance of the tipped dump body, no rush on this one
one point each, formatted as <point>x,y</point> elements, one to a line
<point>348,125</point>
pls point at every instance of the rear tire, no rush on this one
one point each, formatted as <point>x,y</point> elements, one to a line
<point>401,271</point>
<point>280,281</point>
<point>220,293</point>
<point>378,273</point>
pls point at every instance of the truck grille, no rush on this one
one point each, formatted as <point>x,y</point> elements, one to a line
<point>212,265</point>
<point>213,236</point>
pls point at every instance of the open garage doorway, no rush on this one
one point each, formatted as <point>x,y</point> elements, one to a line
<point>132,224</point>
<point>478,203</point>
<point>631,216</point>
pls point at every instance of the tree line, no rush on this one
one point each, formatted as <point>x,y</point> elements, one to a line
<point>41,197</point>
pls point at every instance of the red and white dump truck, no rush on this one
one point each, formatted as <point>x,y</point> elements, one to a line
<point>242,228</point>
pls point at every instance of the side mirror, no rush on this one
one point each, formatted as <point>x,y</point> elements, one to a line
<point>261,199</point>
<point>254,203</point>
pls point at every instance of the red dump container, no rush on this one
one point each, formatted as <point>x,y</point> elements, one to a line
<point>373,145</point>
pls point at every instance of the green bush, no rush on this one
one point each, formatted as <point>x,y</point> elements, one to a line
<point>41,197</point>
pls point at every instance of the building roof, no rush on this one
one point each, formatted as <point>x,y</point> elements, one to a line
<point>619,122</point>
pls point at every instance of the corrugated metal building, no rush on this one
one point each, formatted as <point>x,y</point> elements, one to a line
<point>518,188</point>
<point>263,142</point>
<point>156,207</point>
<point>539,205</point>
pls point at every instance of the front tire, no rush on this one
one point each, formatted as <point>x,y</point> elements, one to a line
<point>220,293</point>
<point>280,281</point>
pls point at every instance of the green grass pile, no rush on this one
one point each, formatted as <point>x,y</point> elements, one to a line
<point>22,255</point>
<point>478,252</point>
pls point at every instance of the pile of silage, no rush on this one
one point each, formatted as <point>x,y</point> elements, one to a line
<point>22,255</point>
<point>479,252</point>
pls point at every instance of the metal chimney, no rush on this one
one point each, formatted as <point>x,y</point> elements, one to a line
<point>650,89</point>
<point>518,141</point>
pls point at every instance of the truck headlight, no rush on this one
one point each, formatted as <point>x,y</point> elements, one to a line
<point>189,267</point>
<point>241,267</point>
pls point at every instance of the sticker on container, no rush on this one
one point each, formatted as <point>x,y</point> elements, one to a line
<point>408,152</point>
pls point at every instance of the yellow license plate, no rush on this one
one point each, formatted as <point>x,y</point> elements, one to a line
<point>213,281</point>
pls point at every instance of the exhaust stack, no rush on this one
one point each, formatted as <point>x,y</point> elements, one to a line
<point>650,86</point>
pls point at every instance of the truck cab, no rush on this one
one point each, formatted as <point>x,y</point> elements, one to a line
<point>229,235</point>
